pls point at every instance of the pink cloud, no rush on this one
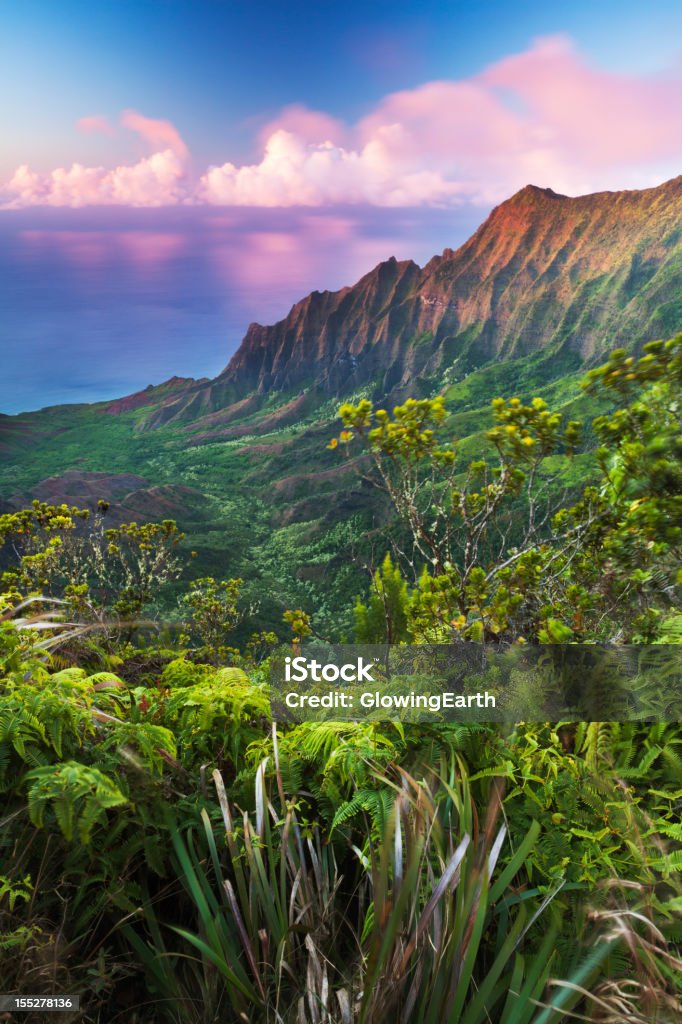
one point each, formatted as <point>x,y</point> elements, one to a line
<point>545,115</point>
<point>158,180</point>
<point>600,118</point>
<point>159,134</point>
<point>542,116</point>
<point>95,124</point>
<point>311,126</point>
<point>25,188</point>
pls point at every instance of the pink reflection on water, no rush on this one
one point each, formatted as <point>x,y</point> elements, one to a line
<point>82,249</point>
<point>150,248</point>
<point>317,251</point>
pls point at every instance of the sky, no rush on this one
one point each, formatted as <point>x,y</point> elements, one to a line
<point>172,169</point>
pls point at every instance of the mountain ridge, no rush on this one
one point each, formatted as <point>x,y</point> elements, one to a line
<point>543,272</point>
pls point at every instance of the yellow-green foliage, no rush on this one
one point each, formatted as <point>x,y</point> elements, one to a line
<point>215,613</point>
<point>502,557</point>
<point>384,619</point>
<point>217,712</point>
<point>377,865</point>
<point>66,552</point>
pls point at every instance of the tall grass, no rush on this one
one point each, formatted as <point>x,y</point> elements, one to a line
<point>434,923</point>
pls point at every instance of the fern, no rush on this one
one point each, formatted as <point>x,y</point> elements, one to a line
<point>377,803</point>
<point>671,630</point>
<point>668,863</point>
<point>15,891</point>
<point>142,744</point>
<point>180,674</point>
<point>671,830</point>
<point>223,709</point>
<point>598,744</point>
<point>78,795</point>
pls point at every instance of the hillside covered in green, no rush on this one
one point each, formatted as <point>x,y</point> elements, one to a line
<point>544,289</point>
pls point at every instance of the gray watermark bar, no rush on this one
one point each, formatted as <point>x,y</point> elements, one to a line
<point>31,1003</point>
<point>477,682</point>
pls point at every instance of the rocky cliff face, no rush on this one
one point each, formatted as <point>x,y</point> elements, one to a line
<point>329,334</point>
<point>544,271</point>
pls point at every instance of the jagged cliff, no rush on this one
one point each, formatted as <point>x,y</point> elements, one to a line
<point>543,271</point>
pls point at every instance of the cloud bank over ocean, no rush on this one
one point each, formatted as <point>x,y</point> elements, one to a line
<point>546,115</point>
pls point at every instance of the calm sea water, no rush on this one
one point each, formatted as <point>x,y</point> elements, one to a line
<point>97,303</point>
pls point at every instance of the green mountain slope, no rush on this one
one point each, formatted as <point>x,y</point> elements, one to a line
<point>546,286</point>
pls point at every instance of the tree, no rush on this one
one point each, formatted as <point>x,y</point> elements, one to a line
<point>215,614</point>
<point>475,561</point>
<point>495,552</point>
<point>299,623</point>
<point>384,619</point>
<point>639,534</point>
<point>66,552</point>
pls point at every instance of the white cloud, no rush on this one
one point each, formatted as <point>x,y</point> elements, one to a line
<point>157,180</point>
<point>296,173</point>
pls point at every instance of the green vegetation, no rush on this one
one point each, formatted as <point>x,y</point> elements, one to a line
<point>494,553</point>
<point>172,855</point>
<point>260,501</point>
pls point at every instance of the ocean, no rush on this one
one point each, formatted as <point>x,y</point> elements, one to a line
<point>96,303</point>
